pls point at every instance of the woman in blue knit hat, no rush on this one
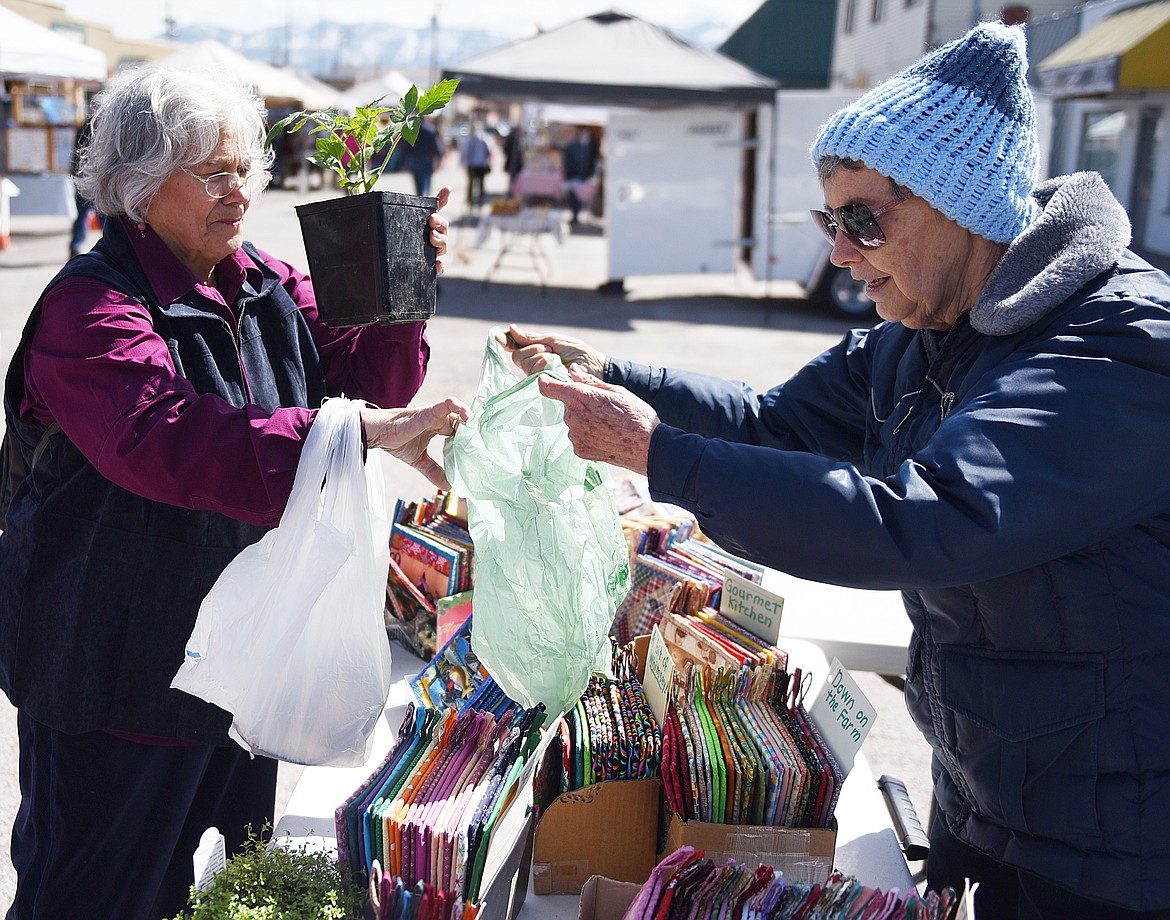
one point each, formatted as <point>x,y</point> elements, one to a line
<point>995,449</point>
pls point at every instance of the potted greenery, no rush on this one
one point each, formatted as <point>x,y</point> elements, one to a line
<point>368,253</point>
<point>279,883</point>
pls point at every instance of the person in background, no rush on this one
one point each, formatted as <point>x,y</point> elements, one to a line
<point>513,155</point>
<point>424,156</point>
<point>84,207</point>
<point>476,156</point>
<point>579,161</point>
<point>994,449</point>
<point>159,400</point>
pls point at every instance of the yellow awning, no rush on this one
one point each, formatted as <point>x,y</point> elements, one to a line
<point>1129,50</point>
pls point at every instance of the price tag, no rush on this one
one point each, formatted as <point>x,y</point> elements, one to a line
<point>843,715</point>
<point>658,675</point>
<point>756,610</point>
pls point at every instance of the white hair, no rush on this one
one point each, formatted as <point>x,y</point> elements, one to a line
<point>150,121</point>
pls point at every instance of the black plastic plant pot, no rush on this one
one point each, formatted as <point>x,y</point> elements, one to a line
<point>370,258</point>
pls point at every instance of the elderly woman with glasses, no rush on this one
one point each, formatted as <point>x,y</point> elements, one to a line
<point>156,408</point>
<point>995,449</point>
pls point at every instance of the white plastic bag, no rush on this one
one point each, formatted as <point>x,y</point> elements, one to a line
<point>291,638</point>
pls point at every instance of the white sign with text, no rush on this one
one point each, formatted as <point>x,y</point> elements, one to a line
<point>658,675</point>
<point>756,610</point>
<point>843,715</point>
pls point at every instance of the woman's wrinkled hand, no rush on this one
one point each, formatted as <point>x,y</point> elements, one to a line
<point>406,433</point>
<point>606,423</point>
<point>439,227</point>
<point>532,351</point>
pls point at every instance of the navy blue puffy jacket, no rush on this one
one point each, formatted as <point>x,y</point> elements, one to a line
<point>1010,477</point>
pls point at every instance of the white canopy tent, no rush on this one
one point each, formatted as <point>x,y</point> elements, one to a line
<point>277,87</point>
<point>29,50</point>
<point>393,84</point>
<point>327,96</point>
<point>566,114</point>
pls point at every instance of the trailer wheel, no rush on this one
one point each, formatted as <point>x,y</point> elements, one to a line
<point>843,296</point>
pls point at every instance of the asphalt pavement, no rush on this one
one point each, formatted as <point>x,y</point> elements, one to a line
<point>729,325</point>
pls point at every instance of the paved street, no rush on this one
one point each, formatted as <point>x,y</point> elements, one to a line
<point>717,325</point>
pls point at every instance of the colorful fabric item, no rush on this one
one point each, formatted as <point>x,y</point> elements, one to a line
<point>687,884</point>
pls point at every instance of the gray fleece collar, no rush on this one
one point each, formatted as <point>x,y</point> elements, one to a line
<point>1081,231</point>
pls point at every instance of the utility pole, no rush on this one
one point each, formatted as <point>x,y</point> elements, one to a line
<point>434,68</point>
<point>288,27</point>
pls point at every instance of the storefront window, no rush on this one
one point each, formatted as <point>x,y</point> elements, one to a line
<point>1101,144</point>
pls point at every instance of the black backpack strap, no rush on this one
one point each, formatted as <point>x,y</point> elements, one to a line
<point>53,428</point>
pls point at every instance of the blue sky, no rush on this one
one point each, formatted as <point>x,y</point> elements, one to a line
<point>506,18</point>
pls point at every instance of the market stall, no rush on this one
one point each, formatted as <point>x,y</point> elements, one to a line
<point>47,78</point>
<point>604,789</point>
<point>866,843</point>
<point>616,62</point>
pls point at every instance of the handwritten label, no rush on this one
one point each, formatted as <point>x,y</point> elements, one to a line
<point>659,674</point>
<point>843,715</point>
<point>756,610</point>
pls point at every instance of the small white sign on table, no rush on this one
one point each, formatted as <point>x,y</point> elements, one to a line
<point>843,715</point>
<point>752,607</point>
<point>658,675</point>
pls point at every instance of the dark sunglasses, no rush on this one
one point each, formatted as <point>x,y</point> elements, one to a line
<point>856,221</point>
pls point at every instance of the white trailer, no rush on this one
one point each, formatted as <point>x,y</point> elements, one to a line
<point>788,245</point>
<point>697,190</point>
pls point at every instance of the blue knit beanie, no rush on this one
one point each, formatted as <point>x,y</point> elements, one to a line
<point>958,129</point>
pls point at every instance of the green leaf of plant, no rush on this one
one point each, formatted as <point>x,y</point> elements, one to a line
<point>437,96</point>
<point>410,129</point>
<point>332,146</point>
<point>279,126</point>
<point>410,100</point>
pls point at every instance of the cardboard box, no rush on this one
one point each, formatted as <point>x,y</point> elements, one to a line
<point>608,829</point>
<point>605,899</point>
<point>802,854</point>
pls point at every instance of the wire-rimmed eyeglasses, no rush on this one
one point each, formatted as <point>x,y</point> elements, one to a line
<point>222,184</point>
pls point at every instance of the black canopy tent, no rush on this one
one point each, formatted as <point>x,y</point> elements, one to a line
<point>611,59</point>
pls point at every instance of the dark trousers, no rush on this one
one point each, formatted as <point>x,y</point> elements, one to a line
<point>422,170</point>
<point>1006,893</point>
<point>475,177</point>
<point>106,827</point>
<point>80,224</point>
<point>80,229</point>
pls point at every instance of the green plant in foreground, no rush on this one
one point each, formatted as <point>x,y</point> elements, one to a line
<point>279,883</point>
<point>347,144</point>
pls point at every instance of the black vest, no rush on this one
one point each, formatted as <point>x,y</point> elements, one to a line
<point>99,587</point>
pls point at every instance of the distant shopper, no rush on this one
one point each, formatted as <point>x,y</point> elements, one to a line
<point>579,164</point>
<point>476,155</point>
<point>424,156</point>
<point>513,155</point>
<point>84,206</point>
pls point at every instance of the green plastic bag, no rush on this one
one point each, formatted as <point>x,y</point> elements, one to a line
<point>551,564</point>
